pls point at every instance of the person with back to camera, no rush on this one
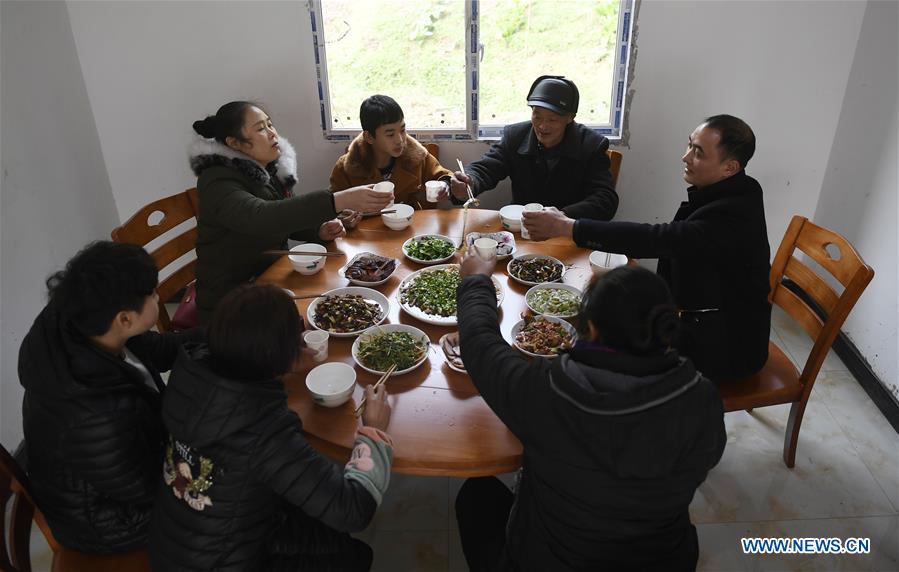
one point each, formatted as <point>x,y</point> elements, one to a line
<point>551,159</point>
<point>245,176</point>
<point>618,433</point>
<point>242,489</point>
<point>384,152</point>
<point>714,255</point>
<point>91,413</point>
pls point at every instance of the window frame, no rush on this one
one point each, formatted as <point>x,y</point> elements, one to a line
<point>473,130</point>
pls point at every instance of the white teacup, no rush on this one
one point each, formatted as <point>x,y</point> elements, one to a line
<point>385,187</point>
<point>317,340</point>
<point>529,208</point>
<point>486,248</point>
<point>432,190</point>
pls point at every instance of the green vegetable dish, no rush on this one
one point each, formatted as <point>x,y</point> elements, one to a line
<point>380,351</point>
<point>433,292</point>
<point>429,248</point>
<point>555,302</point>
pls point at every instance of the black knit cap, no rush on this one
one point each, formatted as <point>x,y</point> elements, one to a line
<point>555,93</point>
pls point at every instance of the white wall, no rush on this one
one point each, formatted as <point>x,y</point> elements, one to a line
<point>858,196</point>
<point>55,193</point>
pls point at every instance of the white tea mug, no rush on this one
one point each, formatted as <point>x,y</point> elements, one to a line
<point>485,248</point>
<point>529,208</point>
<point>317,341</point>
<point>432,189</point>
<point>385,187</point>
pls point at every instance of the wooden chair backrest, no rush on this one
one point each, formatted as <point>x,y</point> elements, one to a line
<point>15,554</point>
<point>615,157</point>
<point>138,230</point>
<point>846,266</point>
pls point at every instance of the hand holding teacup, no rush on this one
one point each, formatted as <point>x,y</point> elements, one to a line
<point>547,223</point>
<point>365,198</point>
<point>474,264</point>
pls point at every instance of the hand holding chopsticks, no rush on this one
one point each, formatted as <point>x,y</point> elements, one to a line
<point>361,408</point>
<point>471,202</point>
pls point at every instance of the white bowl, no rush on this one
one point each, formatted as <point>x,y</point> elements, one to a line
<point>598,261</point>
<point>366,293</point>
<point>553,286</point>
<point>510,215</point>
<point>418,237</point>
<point>375,330</point>
<point>399,220</point>
<point>305,264</point>
<point>528,257</point>
<point>331,384</point>
<point>518,327</point>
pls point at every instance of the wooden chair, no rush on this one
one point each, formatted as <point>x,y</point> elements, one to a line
<point>779,381</point>
<point>138,230</point>
<point>615,157</point>
<point>15,553</point>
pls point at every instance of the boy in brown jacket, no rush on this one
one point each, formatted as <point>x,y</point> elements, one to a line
<point>384,152</point>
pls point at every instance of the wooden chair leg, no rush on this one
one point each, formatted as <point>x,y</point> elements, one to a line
<point>791,438</point>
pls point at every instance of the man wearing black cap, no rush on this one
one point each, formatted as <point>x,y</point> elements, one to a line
<point>551,159</point>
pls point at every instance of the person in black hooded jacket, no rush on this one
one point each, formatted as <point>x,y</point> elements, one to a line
<point>243,490</point>
<point>618,433</point>
<point>91,412</point>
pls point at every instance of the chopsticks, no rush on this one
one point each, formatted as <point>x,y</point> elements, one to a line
<point>305,296</point>
<point>303,253</point>
<point>373,213</point>
<point>471,199</point>
<point>380,382</point>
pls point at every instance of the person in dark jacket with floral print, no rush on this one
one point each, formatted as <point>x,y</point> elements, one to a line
<point>91,413</point>
<point>242,489</point>
<point>714,255</point>
<point>617,432</point>
<point>246,174</point>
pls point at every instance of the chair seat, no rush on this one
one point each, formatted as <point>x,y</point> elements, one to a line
<point>71,561</point>
<point>776,383</point>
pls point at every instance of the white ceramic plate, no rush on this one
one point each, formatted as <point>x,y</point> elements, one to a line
<point>420,314</point>
<point>503,238</point>
<point>449,364</point>
<point>342,271</point>
<point>530,257</point>
<point>366,293</point>
<point>436,260</point>
<point>375,330</point>
<point>517,328</point>
<point>552,286</point>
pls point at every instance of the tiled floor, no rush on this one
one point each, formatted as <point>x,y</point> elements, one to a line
<point>845,484</point>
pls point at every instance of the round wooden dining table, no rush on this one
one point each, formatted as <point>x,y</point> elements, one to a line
<point>440,424</point>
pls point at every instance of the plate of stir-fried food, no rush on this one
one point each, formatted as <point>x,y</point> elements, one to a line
<point>379,347</point>
<point>543,336</point>
<point>532,269</point>
<point>368,269</point>
<point>347,312</point>
<point>430,294</point>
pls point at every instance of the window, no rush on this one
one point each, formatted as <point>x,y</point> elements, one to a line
<point>461,69</point>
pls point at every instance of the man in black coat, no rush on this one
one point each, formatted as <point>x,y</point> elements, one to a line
<point>551,159</point>
<point>91,413</point>
<point>714,254</point>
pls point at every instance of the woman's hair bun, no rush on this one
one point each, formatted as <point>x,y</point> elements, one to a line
<point>206,127</point>
<point>664,324</point>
